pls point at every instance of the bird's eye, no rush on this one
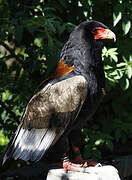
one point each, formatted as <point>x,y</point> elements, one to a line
<point>94,31</point>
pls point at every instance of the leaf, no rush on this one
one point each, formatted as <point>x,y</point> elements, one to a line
<point>99,142</point>
<point>114,57</point>
<point>127,84</point>
<point>3,140</point>
<point>104,50</point>
<point>117,17</point>
<point>121,64</point>
<point>117,14</point>
<point>86,139</point>
<point>124,58</point>
<point>129,71</point>
<point>23,53</point>
<point>124,83</point>
<point>38,41</point>
<point>111,50</point>
<point>50,25</point>
<point>112,53</point>
<point>6,95</point>
<point>61,28</point>
<point>126,25</point>
<point>119,74</point>
<point>130,58</point>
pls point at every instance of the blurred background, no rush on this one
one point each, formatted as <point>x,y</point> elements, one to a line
<point>32,33</point>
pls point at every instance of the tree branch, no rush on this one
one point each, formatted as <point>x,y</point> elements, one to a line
<point>11,52</point>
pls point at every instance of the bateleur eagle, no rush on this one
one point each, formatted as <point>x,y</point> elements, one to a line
<point>67,99</point>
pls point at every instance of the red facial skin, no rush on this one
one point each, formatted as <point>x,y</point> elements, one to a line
<point>102,33</point>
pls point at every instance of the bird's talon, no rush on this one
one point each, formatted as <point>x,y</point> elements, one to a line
<point>85,165</point>
<point>68,166</point>
<point>98,165</point>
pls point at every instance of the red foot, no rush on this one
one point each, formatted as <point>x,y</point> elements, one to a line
<point>80,160</point>
<point>68,166</point>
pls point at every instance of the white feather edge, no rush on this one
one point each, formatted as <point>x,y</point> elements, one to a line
<point>32,144</point>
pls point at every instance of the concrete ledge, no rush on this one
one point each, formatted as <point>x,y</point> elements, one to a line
<point>91,173</point>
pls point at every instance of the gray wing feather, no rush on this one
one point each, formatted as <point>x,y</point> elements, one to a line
<point>46,117</point>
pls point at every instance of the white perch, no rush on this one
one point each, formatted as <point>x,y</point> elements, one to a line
<point>91,173</point>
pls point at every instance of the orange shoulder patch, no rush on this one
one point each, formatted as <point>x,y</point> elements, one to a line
<point>62,69</point>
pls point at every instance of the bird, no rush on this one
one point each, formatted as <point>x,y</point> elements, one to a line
<point>66,100</point>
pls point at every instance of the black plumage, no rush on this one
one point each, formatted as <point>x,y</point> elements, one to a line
<point>67,100</point>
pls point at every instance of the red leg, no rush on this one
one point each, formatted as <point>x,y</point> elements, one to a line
<point>79,159</point>
<point>77,164</point>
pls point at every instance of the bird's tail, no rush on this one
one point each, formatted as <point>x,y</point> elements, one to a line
<point>30,144</point>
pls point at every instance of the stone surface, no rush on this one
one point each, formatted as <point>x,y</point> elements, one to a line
<point>91,173</point>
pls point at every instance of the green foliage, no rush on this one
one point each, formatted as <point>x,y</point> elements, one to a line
<point>32,34</point>
<point>3,140</point>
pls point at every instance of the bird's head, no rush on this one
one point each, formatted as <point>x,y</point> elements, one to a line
<point>86,42</point>
<point>94,30</point>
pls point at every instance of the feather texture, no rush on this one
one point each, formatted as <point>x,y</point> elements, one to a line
<point>46,117</point>
<point>31,144</point>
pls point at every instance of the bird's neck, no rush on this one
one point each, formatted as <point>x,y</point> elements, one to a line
<point>87,61</point>
<point>89,64</point>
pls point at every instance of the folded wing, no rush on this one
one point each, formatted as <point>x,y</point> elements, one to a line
<point>46,118</point>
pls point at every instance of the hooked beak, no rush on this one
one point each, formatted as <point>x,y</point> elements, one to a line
<point>102,33</point>
<point>109,35</point>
